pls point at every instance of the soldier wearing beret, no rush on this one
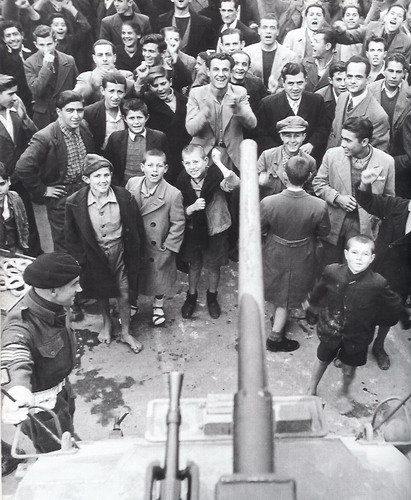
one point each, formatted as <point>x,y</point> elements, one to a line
<point>271,163</point>
<point>39,347</point>
<point>104,231</point>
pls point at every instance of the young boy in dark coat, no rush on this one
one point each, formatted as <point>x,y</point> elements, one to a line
<point>104,232</point>
<point>351,300</point>
<point>207,221</point>
<point>292,222</point>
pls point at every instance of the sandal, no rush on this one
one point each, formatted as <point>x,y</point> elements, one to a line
<point>159,317</point>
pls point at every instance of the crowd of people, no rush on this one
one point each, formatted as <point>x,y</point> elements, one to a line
<point>124,118</point>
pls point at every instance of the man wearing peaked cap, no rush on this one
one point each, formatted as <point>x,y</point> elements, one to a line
<point>39,347</point>
<point>104,231</point>
<point>271,163</point>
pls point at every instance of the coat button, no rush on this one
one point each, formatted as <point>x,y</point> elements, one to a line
<point>154,243</point>
<point>52,353</point>
<point>153,224</point>
<point>151,259</point>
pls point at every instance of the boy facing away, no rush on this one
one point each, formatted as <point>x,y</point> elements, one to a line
<point>208,219</point>
<point>351,299</point>
<point>161,206</point>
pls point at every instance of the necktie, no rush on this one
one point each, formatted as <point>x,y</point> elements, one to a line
<point>350,105</point>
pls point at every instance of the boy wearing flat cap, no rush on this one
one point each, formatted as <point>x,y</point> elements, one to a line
<point>104,231</point>
<point>271,163</point>
<point>39,347</point>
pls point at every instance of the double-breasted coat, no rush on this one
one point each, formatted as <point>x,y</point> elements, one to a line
<point>96,278</point>
<point>164,223</point>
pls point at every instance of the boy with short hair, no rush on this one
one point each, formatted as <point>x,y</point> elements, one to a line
<point>208,221</point>
<point>126,148</point>
<point>14,229</point>
<point>104,232</point>
<point>351,300</point>
<point>161,206</point>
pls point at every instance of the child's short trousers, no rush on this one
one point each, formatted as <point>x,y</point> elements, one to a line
<point>115,257</point>
<point>212,257</point>
<point>326,354</point>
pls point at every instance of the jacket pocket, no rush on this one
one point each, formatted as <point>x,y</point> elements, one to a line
<point>51,348</point>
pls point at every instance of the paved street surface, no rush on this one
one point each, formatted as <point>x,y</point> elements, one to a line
<point>111,380</point>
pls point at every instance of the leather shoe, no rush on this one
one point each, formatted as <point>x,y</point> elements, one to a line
<point>382,358</point>
<point>284,345</point>
<point>189,305</point>
<point>212,304</point>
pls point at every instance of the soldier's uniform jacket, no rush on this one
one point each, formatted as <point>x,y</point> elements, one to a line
<point>38,345</point>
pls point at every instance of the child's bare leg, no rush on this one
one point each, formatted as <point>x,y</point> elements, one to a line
<point>105,333</point>
<point>125,336</point>
<point>317,374</point>
<point>378,350</point>
<point>280,315</point>
<point>213,279</point>
<point>344,400</point>
<point>194,274</point>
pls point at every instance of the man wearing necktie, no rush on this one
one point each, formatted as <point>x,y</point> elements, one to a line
<point>392,249</point>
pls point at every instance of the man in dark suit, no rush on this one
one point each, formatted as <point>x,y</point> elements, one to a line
<point>48,73</point>
<point>12,55</point>
<point>167,112</point>
<point>229,16</point>
<point>104,117</point>
<point>336,85</point>
<point>293,100</point>
<point>111,25</point>
<point>50,168</point>
<point>195,30</point>
<point>126,148</point>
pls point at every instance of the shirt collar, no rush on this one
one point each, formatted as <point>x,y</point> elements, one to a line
<point>133,136</point>
<point>44,309</point>
<point>383,87</point>
<point>293,103</point>
<point>118,117</point>
<point>66,130</point>
<point>148,192</point>
<point>359,98</point>
<point>111,197</point>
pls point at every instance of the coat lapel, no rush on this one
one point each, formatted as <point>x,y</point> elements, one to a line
<point>156,202</point>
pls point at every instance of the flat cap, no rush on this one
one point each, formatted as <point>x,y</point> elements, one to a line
<point>93,162</point>
<point>52,270</point>
<point>292,124</point>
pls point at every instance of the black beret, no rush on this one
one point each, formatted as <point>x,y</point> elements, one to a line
<point>52,270</point>
<point>94,162</point>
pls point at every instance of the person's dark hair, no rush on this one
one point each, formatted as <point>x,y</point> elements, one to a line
<point>7,82</point>
<point>114,77</point>
<point>157,72</point>
<point>346,7</point>
<point>3,171</point>
<point>8,23</point>
<point>337,67</point>
<point>169,29</point>
<point>43,31</point>
<point>239,51</point>
<point>155,152</point>
<point>293,69</point>
<point>102,41</point>
<point>134,105</point>
<point>375,39</point>
<point>316,5</point>
<point>361,238</point>
<point>297,170</point>
<point>203,55</point>
<point>360,126</point>
<point>221,56</point>
<point>270,16</point>
<point>56,15</point>
<point>133,25</point>
<point>397,57</point>
<point>397,4</point>
<point>329,35</point>
<point>156,39</point>
<point>232,31</point>
<point>66,97</point>
<point>360,59</point>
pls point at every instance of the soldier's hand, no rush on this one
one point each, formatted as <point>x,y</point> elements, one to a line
<point>16,412</point>
<point>347,202</point>
<point>55,191</point>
